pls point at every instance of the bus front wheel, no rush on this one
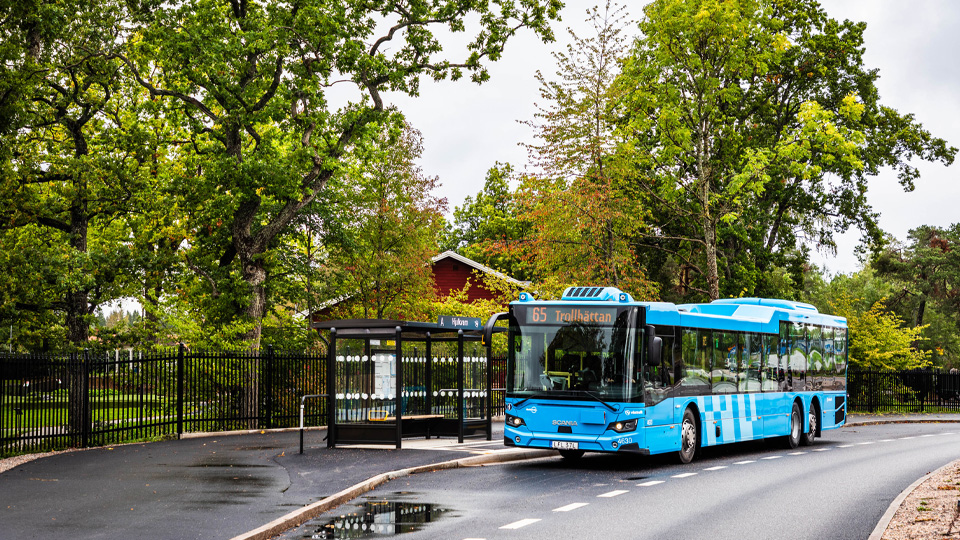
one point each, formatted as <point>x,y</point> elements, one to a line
<point>796,426</point>
<point>688,437</point>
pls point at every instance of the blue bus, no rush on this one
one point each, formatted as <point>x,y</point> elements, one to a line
<point>597,371</point>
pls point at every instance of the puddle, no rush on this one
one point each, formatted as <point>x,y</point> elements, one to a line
<point>376,518</point>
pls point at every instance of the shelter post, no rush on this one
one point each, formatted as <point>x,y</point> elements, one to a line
<point>331,390</point>
<point>460,386</point>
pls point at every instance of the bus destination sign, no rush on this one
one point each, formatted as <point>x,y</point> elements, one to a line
<point>570,314</point>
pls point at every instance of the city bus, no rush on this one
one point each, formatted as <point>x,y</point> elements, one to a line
<point>597,371</point>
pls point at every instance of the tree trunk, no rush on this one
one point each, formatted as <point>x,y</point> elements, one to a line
<point>713,276</point>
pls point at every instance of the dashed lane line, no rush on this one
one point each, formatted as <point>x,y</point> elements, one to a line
<point>521,523</point>
<point>613,493</point>
<point>820,449</point>
<point>797,453</point>
<point>569,507</point>
<point>745,462</point>
<point>845,446</point>
<point>650,483</point>
<point>865,443</point>
<point>772,457</point>
<point>906,438</point>
<point>717,468</point>
<point>684,475</point>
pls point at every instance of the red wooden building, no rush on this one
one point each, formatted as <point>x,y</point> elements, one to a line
<point>451,272</point>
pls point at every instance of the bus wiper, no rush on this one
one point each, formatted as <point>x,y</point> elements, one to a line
<point>597,397</point>
<point>521,402</point>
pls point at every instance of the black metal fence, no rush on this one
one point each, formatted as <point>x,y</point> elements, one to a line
<point>924,391</point>
<point>50,402</point>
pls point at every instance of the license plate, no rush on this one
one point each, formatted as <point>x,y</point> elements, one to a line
<point>564,445</point>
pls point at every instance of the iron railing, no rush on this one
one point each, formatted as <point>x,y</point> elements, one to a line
<point>50,402</point>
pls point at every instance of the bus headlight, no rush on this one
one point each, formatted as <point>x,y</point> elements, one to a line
<point>516,421</point>
<point>622,426</point>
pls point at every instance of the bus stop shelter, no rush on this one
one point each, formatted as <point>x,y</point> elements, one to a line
<point>428,381</point>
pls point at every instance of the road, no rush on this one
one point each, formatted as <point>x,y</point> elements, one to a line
<point>836,489</point>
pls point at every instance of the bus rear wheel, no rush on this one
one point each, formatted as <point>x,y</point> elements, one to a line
<point>571,455</point>
<point>796,426</point>
<point>814,420</point>
<point>688,437</point>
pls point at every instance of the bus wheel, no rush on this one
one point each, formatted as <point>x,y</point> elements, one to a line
<point>688,437</point>
<point>796,426</point>
<point>571,455</point>
<point>814,415</point>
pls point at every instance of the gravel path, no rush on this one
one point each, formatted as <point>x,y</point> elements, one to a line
<point>932,510</point>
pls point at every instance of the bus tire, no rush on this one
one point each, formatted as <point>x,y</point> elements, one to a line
<point>689,437</point>
<point>814,421</point>
<point>796,426</point>
<point>571,455</point>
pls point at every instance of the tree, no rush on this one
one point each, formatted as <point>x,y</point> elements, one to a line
<point>489,229</point>
<point>927,270</point>
<point>253,80</point>
<point>386,229</point>
<point>77,154</point>
<point>878,339</point>
<point>752,126</point>
<point>580,213</point>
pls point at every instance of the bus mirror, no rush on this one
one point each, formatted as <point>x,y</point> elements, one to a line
<point>654,345</point>
<point>653,351</point>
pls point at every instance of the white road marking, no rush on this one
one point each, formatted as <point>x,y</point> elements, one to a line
<point>928,435</point>
<point>820,449</point>
<point>797,453</point>
<point>885,440</point>
<point>906,438</point>
<point>745,462</point>
<point>951,433</point>
<point>845,446</point>
<point>684,475</point>
<point>717,468</point>
<point>613,493</point>
<point>650,483</point>
<point>772,457</point>
<point>864,443</point>
<point>521,523</point>
<point>569,507</point>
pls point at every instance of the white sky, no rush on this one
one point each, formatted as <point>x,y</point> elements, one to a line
<point>914,44</point>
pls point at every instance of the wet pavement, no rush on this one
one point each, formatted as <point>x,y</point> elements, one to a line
<point>219,486</point>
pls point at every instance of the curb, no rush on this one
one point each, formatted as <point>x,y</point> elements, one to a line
<point>297,517</point>
<point>906,421</point>
<point>887,517</point>
<point>202,434</point>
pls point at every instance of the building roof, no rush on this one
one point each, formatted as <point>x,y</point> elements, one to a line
<point>482,268</point>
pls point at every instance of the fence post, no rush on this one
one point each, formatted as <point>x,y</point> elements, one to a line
<point>428,384</point>
<point>85,399</point>
<point>180,377</point>
<point>268,385</point>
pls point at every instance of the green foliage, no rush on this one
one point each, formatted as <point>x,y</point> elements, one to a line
<point>748,124</point>
<point>878,339</point>
<point>488,228</point>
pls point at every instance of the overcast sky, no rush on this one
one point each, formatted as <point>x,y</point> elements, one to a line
<point>914,44</point>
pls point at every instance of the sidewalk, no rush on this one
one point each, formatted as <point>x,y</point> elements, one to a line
<point>225,486</point>
<point>211,487</point>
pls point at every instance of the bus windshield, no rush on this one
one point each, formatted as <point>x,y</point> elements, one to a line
<point>574,352</point>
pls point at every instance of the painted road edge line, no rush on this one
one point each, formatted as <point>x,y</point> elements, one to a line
<point>881,527</point>
<point>298,517</point>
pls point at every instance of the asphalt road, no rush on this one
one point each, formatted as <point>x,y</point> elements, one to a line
<point>835,489</point>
